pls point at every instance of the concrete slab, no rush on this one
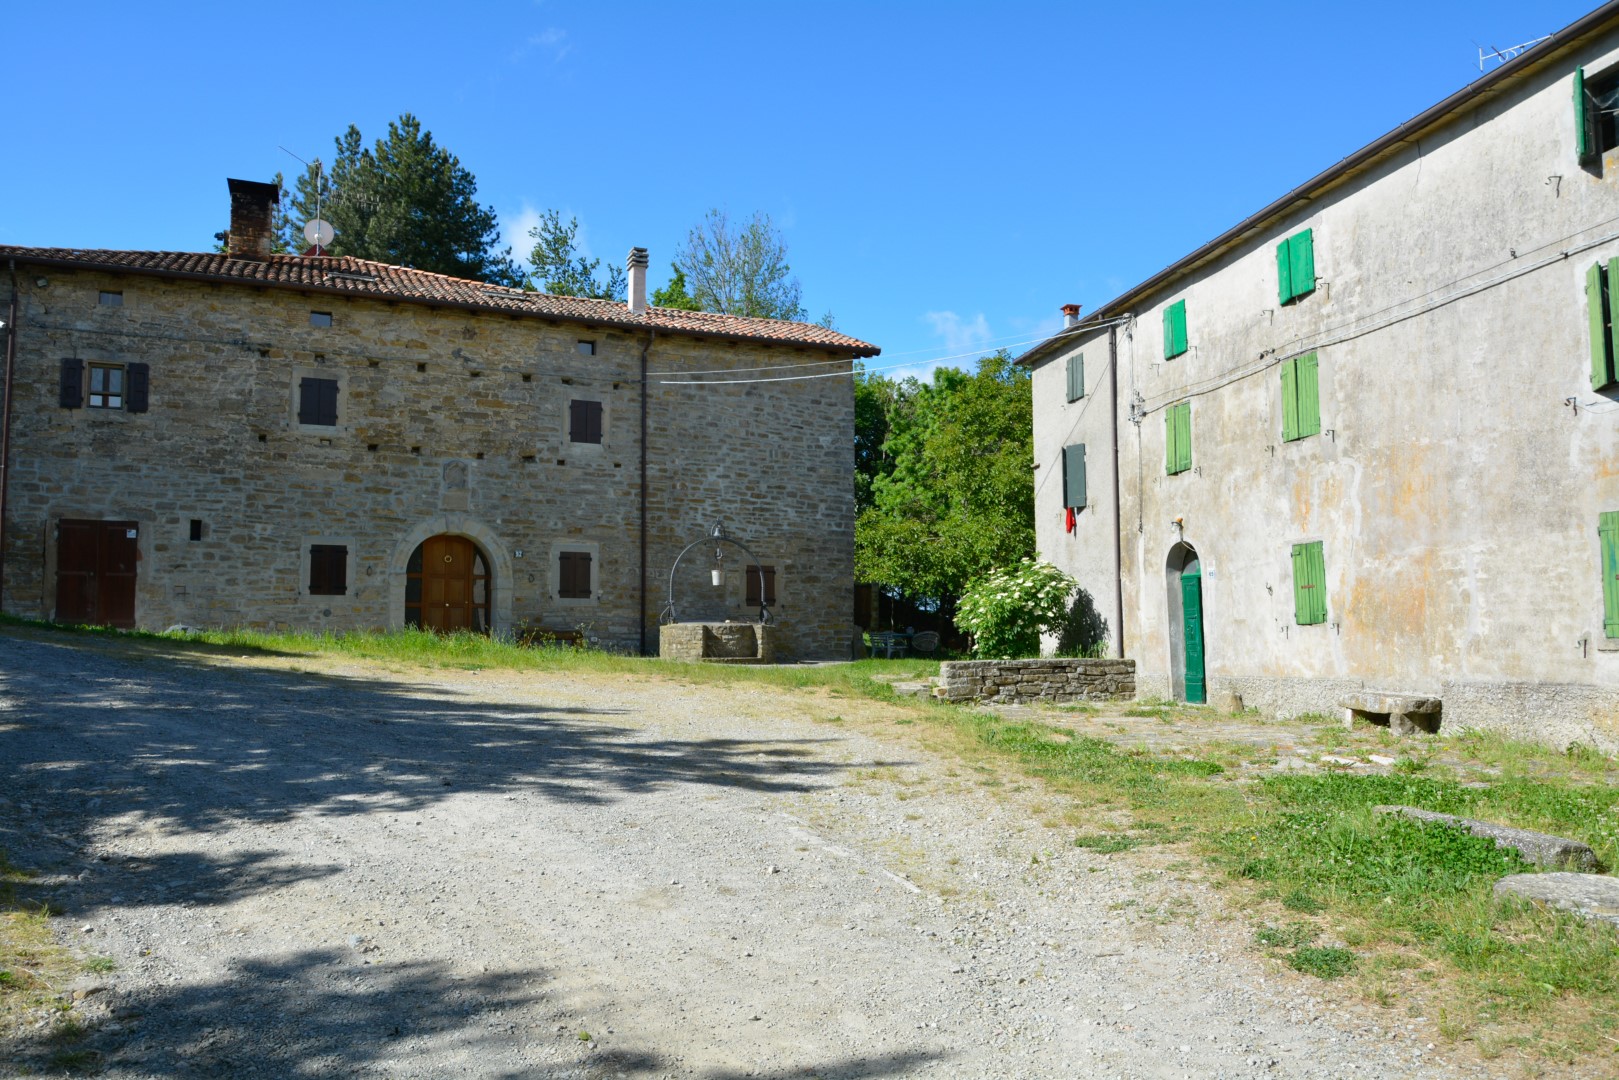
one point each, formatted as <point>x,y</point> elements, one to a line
<point>1590,896</point>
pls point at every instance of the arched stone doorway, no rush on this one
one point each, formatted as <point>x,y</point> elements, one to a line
<point>476,583</point>
<point>1183,587</point>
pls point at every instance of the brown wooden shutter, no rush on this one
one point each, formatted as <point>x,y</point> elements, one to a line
<point>585,422</point>
<point>72,388</point>
<point>573,572</point>
<point>137,377</point>
<point>317,402</point>
<point>328,570</point>
<point>752,577</point>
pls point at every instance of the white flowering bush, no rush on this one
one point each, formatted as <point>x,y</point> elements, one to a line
<point>1008,610</point>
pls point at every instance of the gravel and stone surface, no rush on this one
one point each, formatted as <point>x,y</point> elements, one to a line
<point>305,868</point>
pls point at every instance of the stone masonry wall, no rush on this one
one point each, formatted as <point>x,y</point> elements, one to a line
<point>449,421</point>
<point>1011,682</point>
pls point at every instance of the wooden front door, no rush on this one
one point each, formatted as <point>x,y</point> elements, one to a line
<point>95,572</point>
<point>1192,627</point>
<point>448,586</point>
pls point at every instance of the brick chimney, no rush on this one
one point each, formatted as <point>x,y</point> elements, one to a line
<point>1070,315</point>
<point>252,209</point>
<point>637,271</point>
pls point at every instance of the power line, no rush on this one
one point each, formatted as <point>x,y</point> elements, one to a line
<point>818,363</point>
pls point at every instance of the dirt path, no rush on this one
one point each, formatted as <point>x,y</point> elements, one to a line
<point>349,872</point>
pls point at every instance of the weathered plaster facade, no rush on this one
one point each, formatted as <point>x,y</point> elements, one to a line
<point>1463,457</point>
<point>451,422</point>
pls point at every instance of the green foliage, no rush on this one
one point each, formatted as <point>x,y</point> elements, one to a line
<point>1324,962</point>
<point>740,271</point>
<point>561,270</point>
<point>675,295</point>
<point>407,201</point>
<point>944,467</point>
<point>1291,936</point>
<point>1107,843</point>
<point>1007,610</point>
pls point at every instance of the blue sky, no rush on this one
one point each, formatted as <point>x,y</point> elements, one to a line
<point>945,175</point>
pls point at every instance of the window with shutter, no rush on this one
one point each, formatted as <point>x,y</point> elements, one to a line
<point>138,379</point>
<point>1295,266</point>
<point>1301,398</point>
<point>1596,114</point>
<point>328,570</point>
<point>71,389</point>
<point>1073,476</point>
<point>106,386</point>
<point>1599,281</point>
<point>317,402</point>
<point>1608,531</point>
<point>573,575</point>
<point>757,576</point>
<point>1175,329</point>
<point>1076,376</point>
<point>1309,584</point>
<point>585,422</point>
<point>1178,438</point>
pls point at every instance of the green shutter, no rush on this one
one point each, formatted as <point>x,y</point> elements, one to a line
<point>1301,251</point>
<point>1073,475</point>
<point>1584,141</point>
<point>1613,324</point>
<point>1309,387</point>
<point>1284,272</point>
<point>1076,377</point>
<point>1290,400</point>
<point>1608,530</point>
<point>1174,329</point>
<point>1170,456</point>
<point>1309,584</point>
<point>1183,435</point>
<point>1596,309</point>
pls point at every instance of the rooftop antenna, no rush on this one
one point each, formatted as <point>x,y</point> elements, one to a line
<point>317,231</point>
<point>1501,56</point>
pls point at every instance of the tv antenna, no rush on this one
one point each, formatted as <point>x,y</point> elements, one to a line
<point>317,231</point>
<point>1501,56</point>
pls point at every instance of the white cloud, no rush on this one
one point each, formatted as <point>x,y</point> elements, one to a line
<point>514,230</point>
<point>959,334</point>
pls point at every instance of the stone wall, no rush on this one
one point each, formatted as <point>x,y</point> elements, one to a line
<point>449,421</point>
<point>1010,682</point>
<point>723,643</point>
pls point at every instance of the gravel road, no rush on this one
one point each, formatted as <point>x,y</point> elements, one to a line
<point>310,869</point>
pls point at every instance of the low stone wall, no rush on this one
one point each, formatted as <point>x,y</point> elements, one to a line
<point>718,643</point>
<point>1012,682</point>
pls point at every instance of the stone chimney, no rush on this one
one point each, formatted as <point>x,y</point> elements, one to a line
<point>252,209</point>
<point>637,269</point>
<point>1070,315</point>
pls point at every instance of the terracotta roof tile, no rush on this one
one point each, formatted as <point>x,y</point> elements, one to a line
<point>361,277</point>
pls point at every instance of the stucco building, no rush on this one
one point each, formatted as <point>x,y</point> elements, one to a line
<point>1368,438</point>
<point>330,443</point>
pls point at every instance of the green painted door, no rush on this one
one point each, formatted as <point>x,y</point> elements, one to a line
<point>1192,615</point>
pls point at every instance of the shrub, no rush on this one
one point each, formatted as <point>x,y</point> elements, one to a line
<point>1008,610</point>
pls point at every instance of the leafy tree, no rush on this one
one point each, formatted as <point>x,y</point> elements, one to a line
<point>561,270</point>
<point>674,294</point>
<point>1007,610</point>
<point>740,271</point>
<point>951,490</point>
<point>404,200</point>
<point>875,398</point>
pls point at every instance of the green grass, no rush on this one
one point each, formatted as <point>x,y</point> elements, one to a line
<point>1324,962</point>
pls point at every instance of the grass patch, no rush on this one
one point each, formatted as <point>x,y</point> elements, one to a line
<point>32,966</point>
<point>1324,962</point>
<point>1106,843</point>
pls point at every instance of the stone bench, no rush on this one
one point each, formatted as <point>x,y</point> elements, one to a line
<point>1405,714</point>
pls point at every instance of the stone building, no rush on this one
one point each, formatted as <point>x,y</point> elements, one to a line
<point>329,443</point>
<point>1368,438</point>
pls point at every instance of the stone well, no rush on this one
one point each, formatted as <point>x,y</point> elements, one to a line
<point>718,642</point>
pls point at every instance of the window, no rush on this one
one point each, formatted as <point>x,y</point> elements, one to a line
<point>1073,476</point>
<point>1295,266</point>
<point>1174,329</point>
<point>1301,398</point>
<point>1599,281</point>
<point>586,348</point>
<point>757,576</point>
<point>111,299</point>
<point>196,529</point>
<point>106,386</point>
<point>1596,114</point>
<point>1309,584</point>
<point>1178,438</point>
<point>320,318</point>
<point>1076,376</point>
<point>585,422</point>
<point>328,570</point>
<point>1608,531</point>
<point>317,402</point>
<point>573,575</point>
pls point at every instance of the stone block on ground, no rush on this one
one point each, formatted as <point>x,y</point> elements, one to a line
<point>1542,849</point>
<point>1405,714</point>
<point>1590,896</point>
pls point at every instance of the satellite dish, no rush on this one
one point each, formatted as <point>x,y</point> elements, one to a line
<point>319,232</point>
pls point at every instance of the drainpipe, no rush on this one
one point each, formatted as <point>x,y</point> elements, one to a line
<point>1118,524</point>
<point>5,425</point>
<point>650,335</point>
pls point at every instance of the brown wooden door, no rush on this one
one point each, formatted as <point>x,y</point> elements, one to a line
<point>454,585</point>
<point>95,572</point>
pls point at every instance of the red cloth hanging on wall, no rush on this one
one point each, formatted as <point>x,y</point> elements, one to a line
<point>1071,519</point>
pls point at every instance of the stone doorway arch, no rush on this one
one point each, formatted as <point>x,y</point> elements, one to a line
<point>496,556</point>
<point>1183,588</point>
